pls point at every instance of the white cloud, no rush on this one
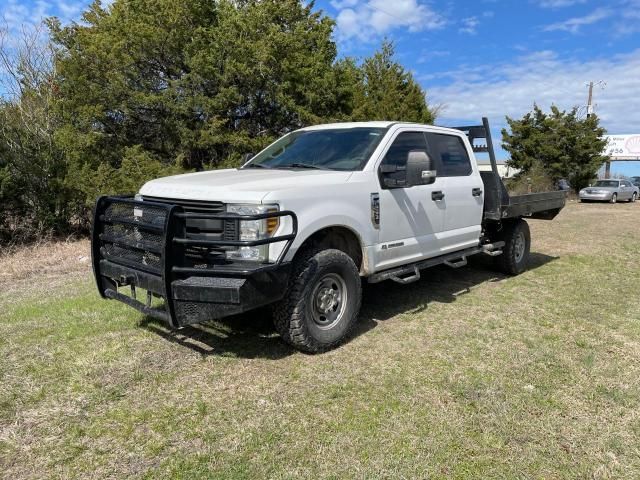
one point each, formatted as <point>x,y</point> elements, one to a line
<point>17,15</point>
<point>340,4</point>
<point>573,25</point>
<point>469,25</point>
<point>544,78</point>
<point>427,55</point>
<point>69,9</point>
<point>366,20</point>
<point>629,20</point>
<point>559,3</point>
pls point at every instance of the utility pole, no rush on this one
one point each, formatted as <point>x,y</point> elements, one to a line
<point>592,84</point>
<point>607,165</point>
<point>590,100</point>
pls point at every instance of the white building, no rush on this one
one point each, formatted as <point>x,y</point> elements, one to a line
<point>504,170</point>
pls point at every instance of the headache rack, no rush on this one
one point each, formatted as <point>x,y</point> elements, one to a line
<point>153,245</point>
<point>498,204</point>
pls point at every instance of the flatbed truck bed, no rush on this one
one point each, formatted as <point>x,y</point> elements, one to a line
<point>498,204</point>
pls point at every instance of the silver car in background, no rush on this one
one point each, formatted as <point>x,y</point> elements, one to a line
<point>610,191</point>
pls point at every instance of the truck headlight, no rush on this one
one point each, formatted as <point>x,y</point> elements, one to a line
<point>250,230</point>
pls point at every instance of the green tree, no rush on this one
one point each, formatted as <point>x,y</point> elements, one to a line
<point>386,91</point>
<point>193,80</point>
<point>562,143</point>
<point>147,88</point>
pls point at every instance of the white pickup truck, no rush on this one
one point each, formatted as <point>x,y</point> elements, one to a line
<point>302,223</point>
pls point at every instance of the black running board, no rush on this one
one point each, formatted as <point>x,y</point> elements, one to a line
<point>411,273</point>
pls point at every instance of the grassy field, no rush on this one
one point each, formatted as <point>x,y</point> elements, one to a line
<point>465,374</point>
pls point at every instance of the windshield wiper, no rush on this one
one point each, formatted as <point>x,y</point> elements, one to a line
<point>303,165</point>
<point>255,165</point>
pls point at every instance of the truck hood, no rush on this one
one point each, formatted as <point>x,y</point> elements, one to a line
<point>232,185</point>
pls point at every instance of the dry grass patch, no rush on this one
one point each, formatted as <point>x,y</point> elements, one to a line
<point>42,266</point>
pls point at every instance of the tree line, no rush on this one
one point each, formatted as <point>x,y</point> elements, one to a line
<point>146,88</point>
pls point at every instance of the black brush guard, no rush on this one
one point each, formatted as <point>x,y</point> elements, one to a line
<point>144,244</point>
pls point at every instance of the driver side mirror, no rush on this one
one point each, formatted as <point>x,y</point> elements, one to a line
<point>420,169</point>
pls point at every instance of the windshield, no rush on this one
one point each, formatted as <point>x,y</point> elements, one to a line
<point>332,149</point>
<point>607,183</point>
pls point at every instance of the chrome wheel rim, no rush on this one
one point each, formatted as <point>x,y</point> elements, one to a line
<point>614,198</point>
<point>329,300</point>
<point>519,247</point>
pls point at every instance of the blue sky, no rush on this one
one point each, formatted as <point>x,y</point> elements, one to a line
<point>475,57</point>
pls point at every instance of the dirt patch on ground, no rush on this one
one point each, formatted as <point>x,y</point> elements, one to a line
<point>50,263</point>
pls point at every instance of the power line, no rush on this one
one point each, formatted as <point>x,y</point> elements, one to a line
<point>371,6</point>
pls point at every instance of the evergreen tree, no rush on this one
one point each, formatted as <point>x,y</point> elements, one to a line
<point>386,91</point>
<point>565,145</point>
<point>193,81</point>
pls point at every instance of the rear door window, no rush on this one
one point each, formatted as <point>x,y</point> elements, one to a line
<point>449,154</point>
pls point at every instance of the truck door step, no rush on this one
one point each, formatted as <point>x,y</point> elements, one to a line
<point>493,249</point>
<point>462,261</point>
<point>413,277</point>
<point>411,273</point>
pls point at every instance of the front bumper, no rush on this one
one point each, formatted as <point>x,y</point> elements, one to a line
<point>193,299</point>
<point>143,245</point>
<point>602,197</point>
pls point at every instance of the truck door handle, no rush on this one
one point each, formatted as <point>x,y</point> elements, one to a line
<point>476,192</point>
<point>437,196</point>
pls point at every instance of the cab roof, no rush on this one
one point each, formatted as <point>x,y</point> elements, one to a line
<point>327,126</point>
<point>377,124</point>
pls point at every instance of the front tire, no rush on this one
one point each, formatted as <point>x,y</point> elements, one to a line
<point>515,253</point>
<point>614,198</point>
<point>322,303</point>
<point>634,197</point>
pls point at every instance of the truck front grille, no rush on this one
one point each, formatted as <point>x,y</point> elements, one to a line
<point>203,229</point>
<point>203,257</point>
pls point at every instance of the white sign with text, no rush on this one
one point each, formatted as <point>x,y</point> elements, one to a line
<point>625,146</point>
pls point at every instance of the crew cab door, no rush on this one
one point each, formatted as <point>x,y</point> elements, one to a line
<point>411,219</point>
<point>463,190</point>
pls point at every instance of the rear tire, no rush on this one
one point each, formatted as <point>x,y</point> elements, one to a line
<point>322,303</point>
<point>614,198</point>
<point>515,253</point>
